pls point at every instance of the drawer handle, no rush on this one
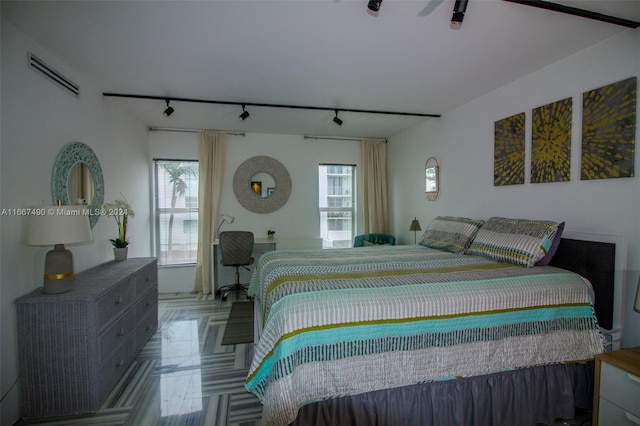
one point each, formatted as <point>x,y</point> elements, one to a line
<point>634,378</point>
<point>120,332</point>
<point>147,304</point>
<point>633,418</point>
<point>120,363</point>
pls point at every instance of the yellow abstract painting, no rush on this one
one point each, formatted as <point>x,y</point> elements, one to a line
<point>551,142</point>
<point>608,131</point>
<point>508,165</point>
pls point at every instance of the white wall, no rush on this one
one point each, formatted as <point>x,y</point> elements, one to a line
<point>38,119</point>
<point>297,219</point>
<point>463,142</point>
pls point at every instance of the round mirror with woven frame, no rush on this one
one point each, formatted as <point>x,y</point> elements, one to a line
<point>252,201</point>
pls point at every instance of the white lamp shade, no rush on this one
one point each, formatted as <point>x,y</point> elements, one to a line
<point>58,225</point>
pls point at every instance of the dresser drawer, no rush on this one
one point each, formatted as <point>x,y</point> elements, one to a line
<point>148,303</point>
<point>145,330</point>
<point>115,366</point>
<point>620,387</point>
<point>145,279</point>
<point>612,415</point>
<point>114,336</point>
<point>113,304</point>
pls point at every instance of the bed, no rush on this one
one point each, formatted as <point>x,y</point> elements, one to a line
<point>463,328</point>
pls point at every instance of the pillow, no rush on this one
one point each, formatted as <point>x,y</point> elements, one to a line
<point>450,233</point>
<point>554,247</point>
<point>517,241</point>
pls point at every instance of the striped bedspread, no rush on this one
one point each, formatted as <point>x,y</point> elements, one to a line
<point>344,322</point>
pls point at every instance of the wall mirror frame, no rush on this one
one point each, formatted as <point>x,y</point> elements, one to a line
<point>432,179</point>
<point>71,155</point>
<point>252,201</point>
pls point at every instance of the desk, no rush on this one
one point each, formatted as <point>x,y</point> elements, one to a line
<point>226,275</point>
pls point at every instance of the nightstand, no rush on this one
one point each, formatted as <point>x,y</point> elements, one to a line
<point>616,397</point>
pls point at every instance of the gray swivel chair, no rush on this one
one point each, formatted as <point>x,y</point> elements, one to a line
<point>235,250</point>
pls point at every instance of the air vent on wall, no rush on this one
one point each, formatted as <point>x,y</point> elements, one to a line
<point>62,81</point>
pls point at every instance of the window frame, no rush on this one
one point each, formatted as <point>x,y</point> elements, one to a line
<point>158,212</point>
<point>327,210</point>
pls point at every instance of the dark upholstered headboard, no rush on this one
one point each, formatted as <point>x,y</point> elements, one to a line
<point>596,262</point>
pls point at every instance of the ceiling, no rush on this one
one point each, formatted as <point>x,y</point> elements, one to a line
<point>323,53</point>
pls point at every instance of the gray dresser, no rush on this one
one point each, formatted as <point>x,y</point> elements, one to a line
<point>75,346</point>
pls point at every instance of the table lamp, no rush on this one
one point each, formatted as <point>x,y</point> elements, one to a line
<point>57,226</point>
<point>224,218</point>
<point>415,227</point>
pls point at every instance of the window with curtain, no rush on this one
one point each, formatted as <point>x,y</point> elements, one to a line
<point>176,211</point>
<point>337,202</point>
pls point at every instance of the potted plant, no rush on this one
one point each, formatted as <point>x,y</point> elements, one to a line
<point>271,234</point>
<point>121,211</point>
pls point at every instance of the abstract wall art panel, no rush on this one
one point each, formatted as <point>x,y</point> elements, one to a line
<point>608,131</point>
<point>551,142</point>
<point>508,163</point>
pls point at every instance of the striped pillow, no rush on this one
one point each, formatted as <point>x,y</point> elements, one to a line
<point>449,233</point>
<point>518,241</point>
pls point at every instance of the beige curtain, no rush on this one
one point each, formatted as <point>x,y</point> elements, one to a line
<point>212,150</point>
<point>374,182</point>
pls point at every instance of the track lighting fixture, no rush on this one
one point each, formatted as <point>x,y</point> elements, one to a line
<point>170,110</point>
<point>244,115</point>
<point>167,112</point>
<point>459,9</point>
<point>337,120</point>
<point>374,5</point>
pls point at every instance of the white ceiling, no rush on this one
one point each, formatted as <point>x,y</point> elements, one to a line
<point>323,53</point>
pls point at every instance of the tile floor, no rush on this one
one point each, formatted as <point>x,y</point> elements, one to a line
<point>183,376</point>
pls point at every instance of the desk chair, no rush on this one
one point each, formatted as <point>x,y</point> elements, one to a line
<point>374,239</point>
<point>235,250</point>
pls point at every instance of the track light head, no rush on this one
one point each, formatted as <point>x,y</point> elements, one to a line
<point>245,114</point>
<point>167,112</point>
<point>459,9</point>
<point>337,120</point>
<point>373,7</point>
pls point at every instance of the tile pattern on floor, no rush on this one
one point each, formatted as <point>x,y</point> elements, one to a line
<point>183,375</point>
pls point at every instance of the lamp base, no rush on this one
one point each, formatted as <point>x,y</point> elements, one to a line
<point>58,271</point>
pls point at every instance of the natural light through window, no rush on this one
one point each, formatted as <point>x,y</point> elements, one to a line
<point>176,211</point>
<point>180,375</point>
<point>336,189</point>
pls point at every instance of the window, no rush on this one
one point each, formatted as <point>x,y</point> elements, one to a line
<point>176,211</point>
<point>336,189</point>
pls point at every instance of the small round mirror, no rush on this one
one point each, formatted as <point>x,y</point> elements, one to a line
<point>432,179</point>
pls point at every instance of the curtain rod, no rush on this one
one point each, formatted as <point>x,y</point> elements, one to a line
<point>338,138</point>
<point>173,129</point>
<point>582,13</point>
<point>257,104</point>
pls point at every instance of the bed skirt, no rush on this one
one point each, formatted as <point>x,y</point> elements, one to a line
<point>531,396</point>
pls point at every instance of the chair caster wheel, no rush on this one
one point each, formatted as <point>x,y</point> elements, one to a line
<point>224,298</point>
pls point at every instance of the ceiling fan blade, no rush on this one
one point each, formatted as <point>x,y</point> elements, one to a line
<point>430,7</point>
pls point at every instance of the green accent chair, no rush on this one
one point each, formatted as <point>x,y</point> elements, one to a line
<point>374,239</point>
